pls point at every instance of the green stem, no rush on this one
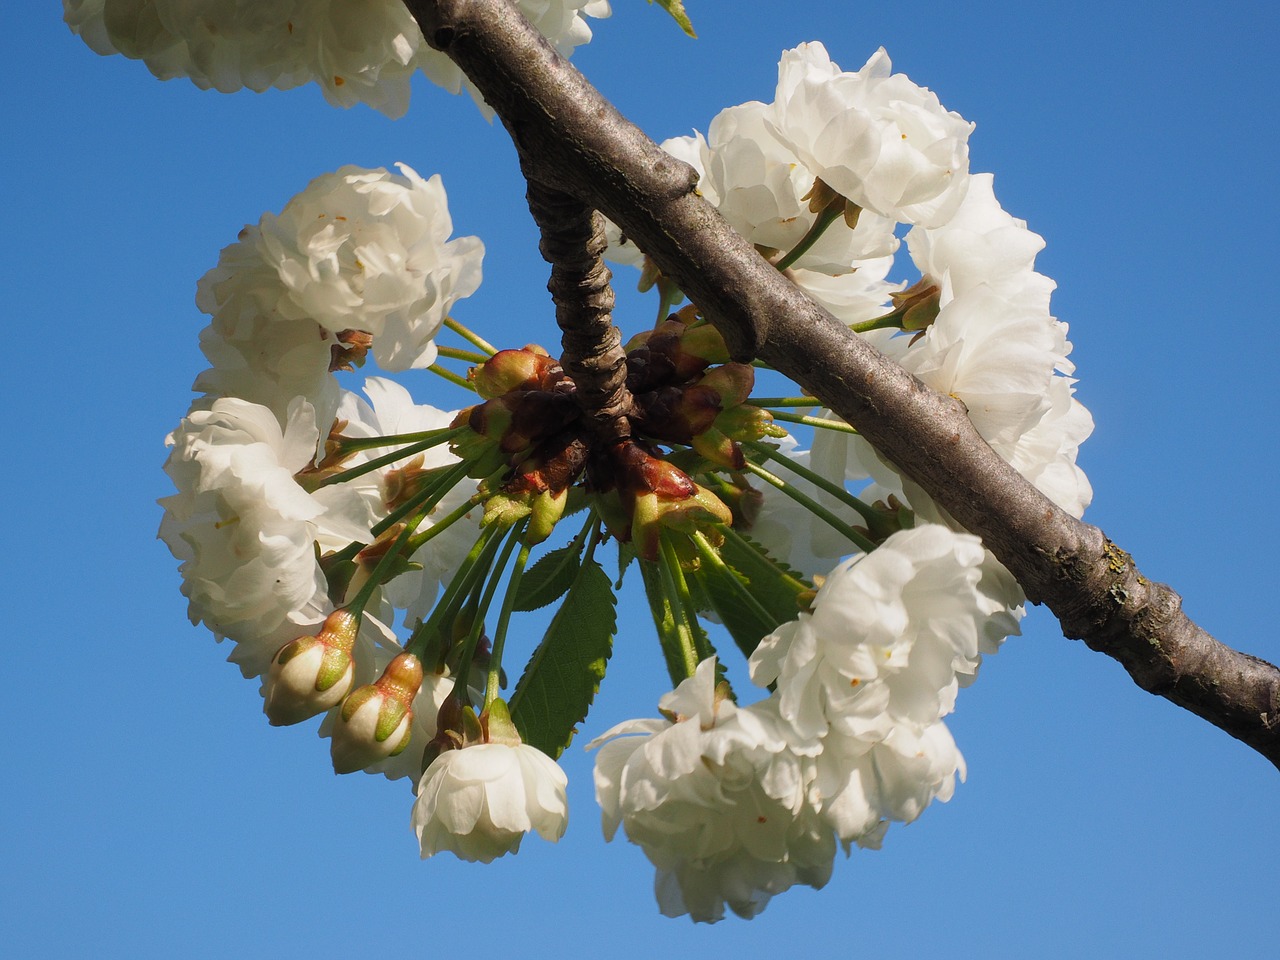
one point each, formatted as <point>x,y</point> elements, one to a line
<point>785,402</point>
<point>687,628</point>
<point>709,554</point>
<point>428,640</point>
<point>799,586</point>
<point>472,338</point>
<point>826,217</point>
<point>861,542</point>
<point>491,691</point>
<point>426,500</point>
<point>453,353</point>
<point>867,511</point>
<point>452,377</point>
<point>356,606</point>
<point>839,426</point>
<point>668,296</point>
<point>890,321</point>
<point>417,542</point>
<point>347,445</point>
<point>482,608</point>
<point>438,437</point>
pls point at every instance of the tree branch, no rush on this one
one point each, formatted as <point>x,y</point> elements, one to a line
<point>574,140</point>
<point>573,242</point>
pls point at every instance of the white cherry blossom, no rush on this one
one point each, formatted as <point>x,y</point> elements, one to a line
<point>885,638</point>
<point>717,801</point>
<point>243,527</point>
<point>873,136</point>
<point>479,802</point>
<point>369,250</point>
<point>357,51</point>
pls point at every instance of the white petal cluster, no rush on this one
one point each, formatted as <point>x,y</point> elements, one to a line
<point>735,804</point>
<point>369,250</point>
<point>995,346</point>
<point>716,799</point>
<point>870,671</point>
<point>480,801</point>
<point>243,528</point>
<point>885,639</point>
<point>389,411</point>
<point>364,251</point>
<point>359,261</point>
<point>357,51</point>
<point>873,136</point>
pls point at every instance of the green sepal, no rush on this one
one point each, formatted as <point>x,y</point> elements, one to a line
<point>626,553</point>
<point>497,724</point>
<point>668,625</point>
<point>678,14</point>
<point>357,699</point>
<point>333,667</point>
<point>390,714</point>
<point>563,675</point>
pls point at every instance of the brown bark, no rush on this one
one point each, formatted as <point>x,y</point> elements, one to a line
<point>572,139</point>
<point>573,242</point>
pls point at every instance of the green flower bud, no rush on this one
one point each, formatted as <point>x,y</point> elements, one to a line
<point>311,674</point>
<point>529,368</point>
<point>376,719</point>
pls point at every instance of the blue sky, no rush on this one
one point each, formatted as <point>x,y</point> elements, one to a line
<point>148,809</point>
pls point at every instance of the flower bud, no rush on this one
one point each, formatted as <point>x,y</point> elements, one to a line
<point>660,494</point>
<point>528,368</point>
<point>376,719</point>
<point>311,674</point>
<point>732,383</point>
<point>705,342</point>
<point>719,449</point>
<point>677,414</point>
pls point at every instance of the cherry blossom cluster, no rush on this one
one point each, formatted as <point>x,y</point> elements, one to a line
<point>351,548</point>
<point>357,51</point>
<point>358,263</point>
<point>852,736</point>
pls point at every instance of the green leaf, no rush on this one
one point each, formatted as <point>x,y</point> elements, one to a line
<point>564,673</point>
<point>549,579</point>
<point>747,622</point>
<point>626,553</point>
<point>765,576</point>
<point>676,9</point>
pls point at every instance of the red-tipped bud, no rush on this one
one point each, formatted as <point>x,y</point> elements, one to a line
<point>660,494</point>
<point>376,719</point>
<point>311,674</point>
